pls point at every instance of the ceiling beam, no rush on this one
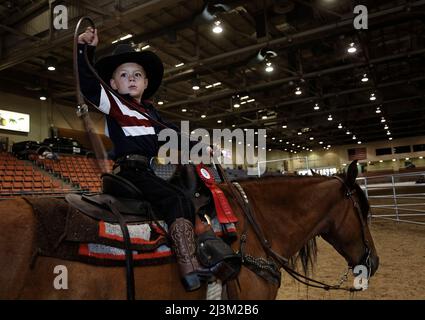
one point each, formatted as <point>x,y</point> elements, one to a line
<point>65,36</point>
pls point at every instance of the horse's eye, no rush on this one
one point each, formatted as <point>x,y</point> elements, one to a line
<point>197,195</point>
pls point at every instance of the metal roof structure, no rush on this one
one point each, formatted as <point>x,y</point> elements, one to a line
<point>305,41</point>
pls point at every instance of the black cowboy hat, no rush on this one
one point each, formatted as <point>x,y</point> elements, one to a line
<point>124,53</point>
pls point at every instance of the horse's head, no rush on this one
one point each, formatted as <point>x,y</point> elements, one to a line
<point>348,231</point>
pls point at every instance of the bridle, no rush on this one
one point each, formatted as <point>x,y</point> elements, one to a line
<point>365,260</point>
<point>283,262</point>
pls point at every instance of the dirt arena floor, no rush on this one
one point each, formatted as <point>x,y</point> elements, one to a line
<point>401,276</point>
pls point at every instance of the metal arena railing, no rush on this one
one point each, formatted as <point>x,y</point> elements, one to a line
<point>396,197</point>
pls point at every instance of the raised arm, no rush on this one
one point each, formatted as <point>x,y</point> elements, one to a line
<point>90,86</point>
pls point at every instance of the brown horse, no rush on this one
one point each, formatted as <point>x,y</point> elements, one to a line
<point>291,211</point>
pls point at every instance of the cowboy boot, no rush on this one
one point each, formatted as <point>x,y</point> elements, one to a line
<point>183,237</point>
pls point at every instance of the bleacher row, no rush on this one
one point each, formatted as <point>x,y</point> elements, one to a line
<point>80,172</point>
<point>18,176</point>
<point>67,174</point>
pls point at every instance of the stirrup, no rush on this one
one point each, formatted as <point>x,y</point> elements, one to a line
<point>191,282</point>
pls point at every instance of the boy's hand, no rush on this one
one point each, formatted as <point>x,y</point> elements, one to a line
<point>89,37</point>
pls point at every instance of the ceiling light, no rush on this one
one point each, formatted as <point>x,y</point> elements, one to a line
<point>354,137</point>
<point>179,64</point>
<point>269,67</point>
<point>365,78</point>
<point>284,126</point>
<point>300,133</point>
<point>407,159</point>
<point>236,105</point>
<point>330,117</point>
<point>128,36</point>
<point>320,142</point>
<point>388,133</point>
<point>383,120</point>
<point>219,121</point>
<point>311,138</point>
<point>298,91</point>
<point>340,126</point>
<point>359,142</point>
<point>51,63</point>
<point>264,117</point>
<point>421,157</point>
<point>378,110</point>
<point>217,27</point>
<point>348,132</point>
<point>184,110</point>
<point>352,48</point>
<point>390,138</point>
<point>196,84</point>
<point>316,106</point>
<point>146,47</point>
<point>203,116</point>
<point>381,161</point>
<point>372,97</point>
<point>43,97</point>
<point>394,160</point>
<point>328,146</point>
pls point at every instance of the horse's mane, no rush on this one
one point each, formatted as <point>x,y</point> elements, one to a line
<point>307,256</point>
<point>363,202</point>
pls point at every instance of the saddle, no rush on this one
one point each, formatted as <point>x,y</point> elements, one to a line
<point>117,193</point>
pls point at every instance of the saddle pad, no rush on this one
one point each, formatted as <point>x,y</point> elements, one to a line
<point>63,232</point>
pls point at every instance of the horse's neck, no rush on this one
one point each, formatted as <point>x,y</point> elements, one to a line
<point>290,211</point>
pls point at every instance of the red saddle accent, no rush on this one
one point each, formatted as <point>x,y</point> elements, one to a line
<point>224,211</point>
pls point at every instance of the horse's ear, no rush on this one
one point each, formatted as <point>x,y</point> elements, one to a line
<point>352,173</point>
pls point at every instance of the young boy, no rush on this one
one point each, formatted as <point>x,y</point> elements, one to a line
<point>136,76</point>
